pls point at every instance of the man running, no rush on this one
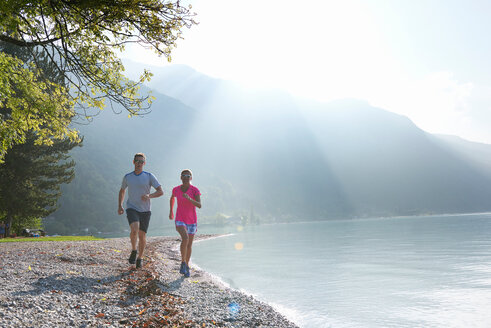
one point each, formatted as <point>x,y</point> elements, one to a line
<point>138,212</point>
<point>188,198</point>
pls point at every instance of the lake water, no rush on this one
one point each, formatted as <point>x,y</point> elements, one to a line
<point>432,271</point>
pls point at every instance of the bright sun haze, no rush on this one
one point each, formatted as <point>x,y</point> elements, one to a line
<point>424,60</point>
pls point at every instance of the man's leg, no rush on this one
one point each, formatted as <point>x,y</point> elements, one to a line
<point>135,227</point>
<point>142,242</point>
<point>142,236</point>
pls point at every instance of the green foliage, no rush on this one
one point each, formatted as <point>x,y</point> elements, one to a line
<point>23,222</point>
<point>29,102</point>
<point>56,238</point>
<point>31,179</point>
<point>79,39</point>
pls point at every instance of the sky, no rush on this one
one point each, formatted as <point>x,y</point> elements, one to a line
<point>425,59</point>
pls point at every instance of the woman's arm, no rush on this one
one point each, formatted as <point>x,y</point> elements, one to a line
<point>196,202</point>
<point>171,213</point>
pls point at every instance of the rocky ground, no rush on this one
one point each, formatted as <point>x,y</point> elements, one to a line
<point>91,284</point>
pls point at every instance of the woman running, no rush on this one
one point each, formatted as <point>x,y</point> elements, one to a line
<point>188,198</point>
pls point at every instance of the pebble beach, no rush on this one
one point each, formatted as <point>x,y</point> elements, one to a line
<point>91,284</point>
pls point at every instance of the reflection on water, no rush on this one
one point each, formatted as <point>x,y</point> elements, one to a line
<point>400,272</point>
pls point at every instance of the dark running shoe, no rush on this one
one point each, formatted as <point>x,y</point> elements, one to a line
<point>132,257</point>
<point>182,270</point>
<point>187,273</point>
<point>138,263</point>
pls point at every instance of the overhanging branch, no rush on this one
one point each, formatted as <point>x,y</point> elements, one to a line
<point>23,43</point>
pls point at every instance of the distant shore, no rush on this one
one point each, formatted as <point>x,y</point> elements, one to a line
<point>91,284</point>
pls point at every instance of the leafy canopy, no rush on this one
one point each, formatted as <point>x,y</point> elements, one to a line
<point>80,38</point>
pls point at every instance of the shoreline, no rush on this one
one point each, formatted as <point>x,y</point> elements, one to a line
<point>91,284</point>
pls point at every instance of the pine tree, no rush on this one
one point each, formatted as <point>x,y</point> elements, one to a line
<point>30,181</point>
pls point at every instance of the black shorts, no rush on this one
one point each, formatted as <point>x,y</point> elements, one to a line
<point>142,217</point>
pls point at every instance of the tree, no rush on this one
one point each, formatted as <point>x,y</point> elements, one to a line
<point>32,173</point>
<point>31,178</point>
<point>79,38</point>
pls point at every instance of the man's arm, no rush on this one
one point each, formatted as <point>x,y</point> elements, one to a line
<point>122,192</point>
<point>158,192</point>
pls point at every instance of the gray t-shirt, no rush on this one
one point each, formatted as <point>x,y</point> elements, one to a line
<point>138,185</point>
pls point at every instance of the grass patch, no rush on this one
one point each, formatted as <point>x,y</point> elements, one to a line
<point>57,238</point>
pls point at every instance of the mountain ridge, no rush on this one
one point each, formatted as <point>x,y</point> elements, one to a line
<point>282,157</point>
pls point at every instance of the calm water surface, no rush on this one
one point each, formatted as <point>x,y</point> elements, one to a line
<point>430,271</point>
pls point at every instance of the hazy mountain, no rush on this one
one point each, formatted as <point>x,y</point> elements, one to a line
<point>381,161</point>
<point>478,155</point>
<point>388,164</point>
<point>280,157</point>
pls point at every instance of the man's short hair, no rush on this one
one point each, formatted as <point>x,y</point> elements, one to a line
<point>140,155</point>
<point>187,171</point>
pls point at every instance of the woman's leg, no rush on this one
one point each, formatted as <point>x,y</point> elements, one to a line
<point>189,248</point>
<point>184,242</point>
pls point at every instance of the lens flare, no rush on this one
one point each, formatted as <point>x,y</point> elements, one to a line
<point>233,309</point>
<point>239,246</point>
